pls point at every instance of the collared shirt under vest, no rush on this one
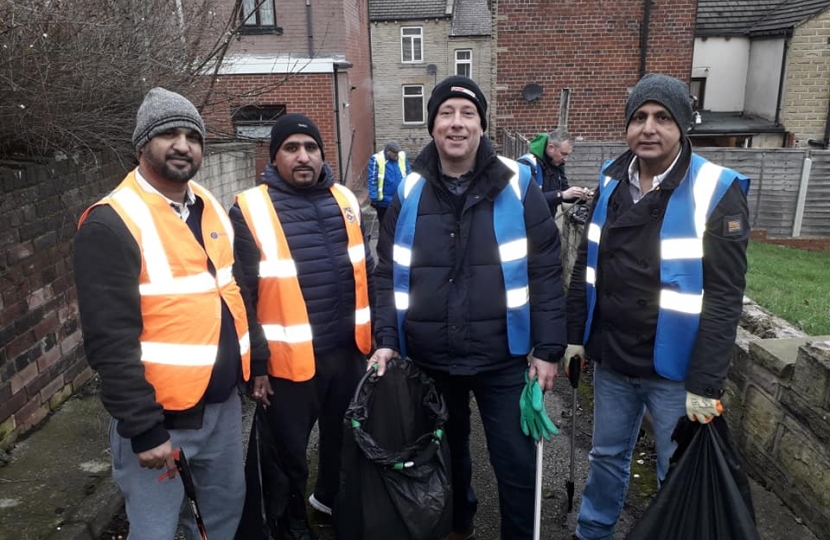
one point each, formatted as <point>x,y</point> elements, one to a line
<point>380,159</point>
<point>509,226</point>
<point>681,259</point>
<point>180,299</point>
<point>281,308</point>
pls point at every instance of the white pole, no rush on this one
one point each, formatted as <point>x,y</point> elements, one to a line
<point>802,197</point>
<point>537,515</point>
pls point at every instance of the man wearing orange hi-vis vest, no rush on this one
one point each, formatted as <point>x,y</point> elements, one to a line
<point>300,241</point>
<point>166,326</point>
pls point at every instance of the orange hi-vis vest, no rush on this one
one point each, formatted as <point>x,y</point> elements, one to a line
<point>181,302</point>
<point>281,309</point>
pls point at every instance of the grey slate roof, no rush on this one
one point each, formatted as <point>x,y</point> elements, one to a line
<point>472,18</point>
<point>406,10</point>
<point>789,14</point>
<point>753,17</point>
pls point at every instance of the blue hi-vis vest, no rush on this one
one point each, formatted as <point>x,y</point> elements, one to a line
<point>509,226</point>
<point>530,160</point>
<point>681,260</point>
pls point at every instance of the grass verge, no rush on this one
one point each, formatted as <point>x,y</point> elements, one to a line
<point>792,284</point>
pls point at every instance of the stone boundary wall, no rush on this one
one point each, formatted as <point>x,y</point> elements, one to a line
<point>778,405</point>
<point>42,361</point>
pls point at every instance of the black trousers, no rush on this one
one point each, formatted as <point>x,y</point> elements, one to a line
<point>296,406</point>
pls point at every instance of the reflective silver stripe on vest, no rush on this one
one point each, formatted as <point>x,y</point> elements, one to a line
<point>362,316</point>
<point>245,343</point>
<point>401,301</point>
<point>684,303</point>
<point>271,266</point>
<point>409,183</point>
<point>298,333</point>
<point>357,253</point>
<point>174,354</point>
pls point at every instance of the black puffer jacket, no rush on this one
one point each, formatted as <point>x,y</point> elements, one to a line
<point>456,321</point>
<point>316,234</point>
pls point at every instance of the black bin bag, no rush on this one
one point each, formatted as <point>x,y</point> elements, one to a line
<point>706,493</point>
<point>395,479</point>
<point>266,495</point>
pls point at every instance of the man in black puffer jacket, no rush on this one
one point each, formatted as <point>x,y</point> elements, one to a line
<point>474,287</point>
<point>300,241</point>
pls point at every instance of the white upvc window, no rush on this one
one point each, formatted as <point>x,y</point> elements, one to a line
<point>464,62</point>
<point>412,44</point>
<point>413,103</point>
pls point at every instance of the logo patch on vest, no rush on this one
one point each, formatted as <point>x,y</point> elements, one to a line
<point>733,226</point>
<point>349,214</point>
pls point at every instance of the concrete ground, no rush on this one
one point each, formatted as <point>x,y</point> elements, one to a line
<point>56,483</point>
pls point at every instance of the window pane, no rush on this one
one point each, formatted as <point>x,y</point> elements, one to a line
<point>411,31</point>
<point>463,69</point>
<point>413,110</point>
<point>413,104</point>
<point>406,47</point>
<point>247,9</point>
<point>417,50</point>
<point>463,55</point>
<point>266,13</point>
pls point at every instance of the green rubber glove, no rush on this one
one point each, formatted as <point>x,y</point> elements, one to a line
<point>534,418</point>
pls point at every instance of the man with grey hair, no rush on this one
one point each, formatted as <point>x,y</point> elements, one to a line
<point>546,158</point>
<point>386,170</point>
<point>166,327</point>
<point>656,292</point>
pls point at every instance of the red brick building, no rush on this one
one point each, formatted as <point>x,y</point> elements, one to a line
<point>584,55</point>
<point>311,58</point>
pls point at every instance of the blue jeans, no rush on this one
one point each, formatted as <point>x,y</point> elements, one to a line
<point>512,454</point>
<point>619,404</point>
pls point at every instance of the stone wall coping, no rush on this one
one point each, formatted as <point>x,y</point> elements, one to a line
<point>779,355</point>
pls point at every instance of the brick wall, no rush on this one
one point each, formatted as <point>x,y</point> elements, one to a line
<point>807,87</point>
<point>41,356</point>
<point>311,95</point>
<point>592,48</point>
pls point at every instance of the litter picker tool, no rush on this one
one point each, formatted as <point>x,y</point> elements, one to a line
<point>574,367</point>
<point>537,511</point>
<point>189,488</point>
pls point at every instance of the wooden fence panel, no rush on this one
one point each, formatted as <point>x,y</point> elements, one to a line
<point>816,221</point>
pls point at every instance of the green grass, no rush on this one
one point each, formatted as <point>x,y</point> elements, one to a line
<point>791,283</point>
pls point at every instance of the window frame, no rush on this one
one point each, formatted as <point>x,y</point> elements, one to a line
<point>464,62</point>
<point>251,117</point>
<point>404,98</point>
<point>257,27</point>
<point>701,99</point>
<point>419,38</point>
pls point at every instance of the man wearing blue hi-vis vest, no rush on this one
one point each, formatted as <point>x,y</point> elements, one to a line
<point>656,292</point>
<point>469,286</point>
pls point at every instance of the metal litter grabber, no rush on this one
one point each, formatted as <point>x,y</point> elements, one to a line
<point>537,511</point>
<point>574,367</point>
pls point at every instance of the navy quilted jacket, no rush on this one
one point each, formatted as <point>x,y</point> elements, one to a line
<point>316,235</point>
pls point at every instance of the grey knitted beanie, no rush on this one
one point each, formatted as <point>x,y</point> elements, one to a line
<point>162,110</point>
<point>671,93</point>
